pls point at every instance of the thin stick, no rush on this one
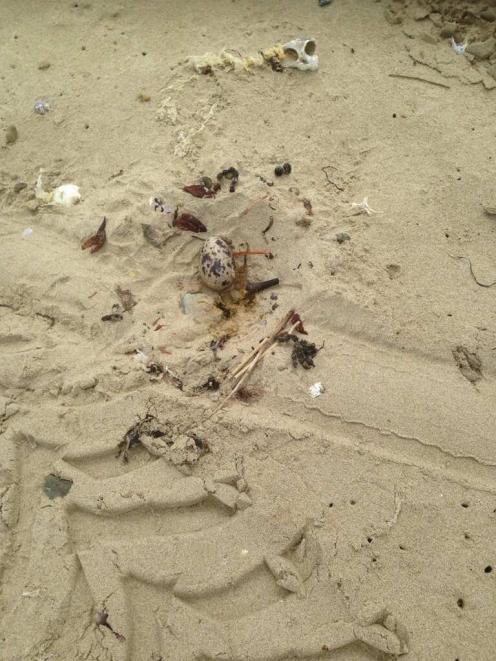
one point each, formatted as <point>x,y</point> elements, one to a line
<point>423,80</point>
<point>481,284</point>
<point>280,327</point>
<point>251,362</point>
<point>244,253</point>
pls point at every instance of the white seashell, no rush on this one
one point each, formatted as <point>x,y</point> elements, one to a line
<point>217,268</point>
<point>300,54</point>
<point>27,232</point>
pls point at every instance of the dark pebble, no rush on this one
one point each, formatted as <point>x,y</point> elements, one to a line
<point>323,3</point>
<point>279,170</point>
<point>286,167</point>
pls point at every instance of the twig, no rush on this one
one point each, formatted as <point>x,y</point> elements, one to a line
<point>271,222</point>
<point>260,348</point>
<point>324,170</point>
<point>481,284</point>
<point>248,365</point>
<point>423,80</point>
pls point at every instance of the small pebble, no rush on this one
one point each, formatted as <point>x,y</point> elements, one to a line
<point>278,170</point>
<point>44,65</point>
<point>287,168</point>
<point>41,107</point>
<point>19,186</point>
<point>11,135</point>
<point>323,3</point>
<point>342,237</point>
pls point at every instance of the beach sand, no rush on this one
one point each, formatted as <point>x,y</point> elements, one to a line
<point>357,525</point>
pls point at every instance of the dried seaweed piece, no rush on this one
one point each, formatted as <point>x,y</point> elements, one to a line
<point>199,190</point>
<point>303,352</point>
<point>186,221</point>
<point>96,241</point>
<point>126,298</point>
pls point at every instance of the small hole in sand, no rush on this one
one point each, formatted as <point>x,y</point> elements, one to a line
<point>352,502</point>
<point>466,535</point>
<point>465,504</point>
<point>402,548</point>
<point>331,504</point>
<point>488,569</point>
<point>460,603</point>
<point>143,53</point>
<point>370,540</point>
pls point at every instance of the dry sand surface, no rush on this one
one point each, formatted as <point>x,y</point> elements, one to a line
<point>354,526</point>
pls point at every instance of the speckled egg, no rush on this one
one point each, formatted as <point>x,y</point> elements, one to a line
<point>217,264</point>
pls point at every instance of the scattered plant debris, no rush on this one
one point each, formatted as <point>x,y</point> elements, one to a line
<point>96,241</point>
<point>126,298</point>
<point>232,175</point>
<point>56,487</point>
<point>148,425</point>
<point>217,344</point>
<point>303,352</point>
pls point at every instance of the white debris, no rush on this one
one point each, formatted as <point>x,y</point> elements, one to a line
<point>363,207</point>
<point>27,232</point>
<point>458,48</point>
<point>65,195</point>
<point>158,205</point>
<point>141,357</point>
<point>316,389</point>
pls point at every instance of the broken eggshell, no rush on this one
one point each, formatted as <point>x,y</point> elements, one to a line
<point>300,54</point>
<point>217,268</point>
